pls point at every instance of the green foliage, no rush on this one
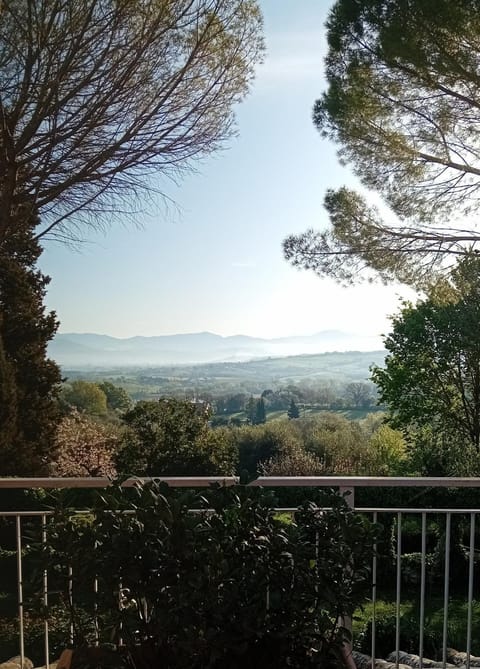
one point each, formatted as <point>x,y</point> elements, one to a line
<point>387,453</point>
<point>293,410</point>
<point>232,586</point>
<point>86,396</point>
<point>34,631</point>
<point>339,444</point>
<point>292,461</point>
<point>255,411</point>
<point>360,394</point>
<point>317,380</point>
<point>172,437</point>
<point>326,443</point>
<point>431,378</point>
<point>402,104</point>
<point>250,407</point>
<point>117,397</point>
<point>260,413</point>
<point>8,399</point>
<point>29,381</point>
<point>385,615</point>
<point>259,443</point>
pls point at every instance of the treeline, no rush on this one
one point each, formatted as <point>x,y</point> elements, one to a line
<point>103,433</point>
<point>311,394</point>
<point>294,398</point>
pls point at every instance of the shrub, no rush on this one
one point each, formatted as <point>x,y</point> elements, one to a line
<point>229,585</point>
<point>85,447</point>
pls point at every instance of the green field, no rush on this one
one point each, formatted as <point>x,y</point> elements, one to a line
<point>251,377</point>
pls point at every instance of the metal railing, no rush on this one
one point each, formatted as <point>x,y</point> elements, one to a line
<point>397,516</point>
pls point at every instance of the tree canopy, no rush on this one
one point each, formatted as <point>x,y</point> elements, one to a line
<point>403,104</point>
<point>431,378</point>
<point>29,380</point>
<point>98,95</point>
<point>172,438</point>
<point>86,396</point>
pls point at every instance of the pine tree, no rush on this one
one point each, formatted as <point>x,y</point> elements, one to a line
<point>293,410</point>
<point>29,381</point>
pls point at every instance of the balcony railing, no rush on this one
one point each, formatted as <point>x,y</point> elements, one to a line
<point>398,517</point>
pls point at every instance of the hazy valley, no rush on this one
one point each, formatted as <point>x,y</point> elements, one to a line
<point>87,351</point>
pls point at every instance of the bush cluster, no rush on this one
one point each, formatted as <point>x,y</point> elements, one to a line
<point>230,584</point>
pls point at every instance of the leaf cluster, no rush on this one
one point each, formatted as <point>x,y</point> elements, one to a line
<point>229,583</point>
<point>431,378</point>
<point>402,105</point>
<point>172,437</point>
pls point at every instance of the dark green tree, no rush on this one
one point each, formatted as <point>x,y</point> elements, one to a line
<point>403,105</point>
<point>117,397</point>
<point>235,403</point>
<point>8,400</point>
<point>260,413</point>
<point>172,437</point>
<point>29,381</point>
<point>293,410</point>
<point>431,378</point>
<point>250,410</point>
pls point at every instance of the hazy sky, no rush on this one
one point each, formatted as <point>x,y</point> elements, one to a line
<point>216,264</point>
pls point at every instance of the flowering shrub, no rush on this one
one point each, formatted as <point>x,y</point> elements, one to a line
<point>85,447</point>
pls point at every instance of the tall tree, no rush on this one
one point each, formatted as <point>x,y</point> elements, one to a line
<point>250,409</point>
<point>431,378</point>
<point>293,410</point>
<point>260,412</point>
<point>403,104</point>
<point>97,96</point>
<point>29,381</point>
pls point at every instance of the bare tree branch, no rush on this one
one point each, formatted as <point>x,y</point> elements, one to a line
<point>97,96</point>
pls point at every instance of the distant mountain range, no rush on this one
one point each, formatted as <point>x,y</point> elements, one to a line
<point>81,351</point>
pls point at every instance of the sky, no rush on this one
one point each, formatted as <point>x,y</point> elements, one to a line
<point>214,262</point>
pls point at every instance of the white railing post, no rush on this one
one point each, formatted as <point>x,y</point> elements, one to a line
<point>20,588</point>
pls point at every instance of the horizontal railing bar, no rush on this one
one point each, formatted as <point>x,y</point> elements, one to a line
<point>367,481</point>
<point>104,482</point>
<point>22,514</point>
<point>271,481</point>
<point>406,510</point>
<point>381,509</point>
<point>279,509</point>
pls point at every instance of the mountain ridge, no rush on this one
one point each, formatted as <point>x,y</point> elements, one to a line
<point>86,350</point>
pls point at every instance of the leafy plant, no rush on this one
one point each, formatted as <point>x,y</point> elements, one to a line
<point>213,580</point>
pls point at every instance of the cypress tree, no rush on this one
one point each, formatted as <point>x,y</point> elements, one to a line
<point>260,413</point>
<point>293,411</point>
<point>29,381</point>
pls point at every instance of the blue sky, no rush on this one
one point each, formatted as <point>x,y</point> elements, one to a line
<point>215,262</point>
